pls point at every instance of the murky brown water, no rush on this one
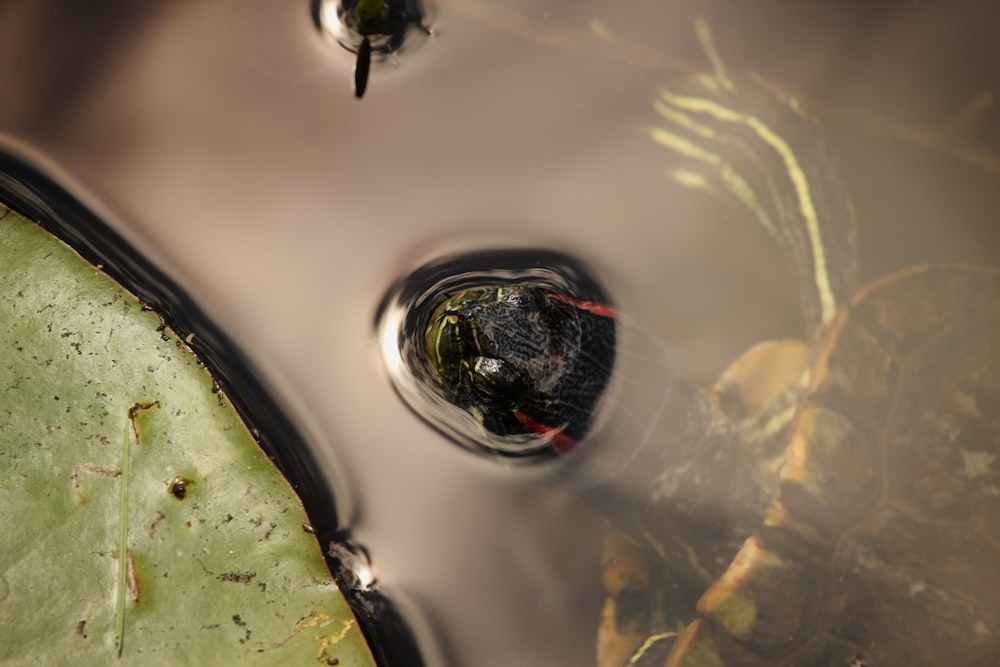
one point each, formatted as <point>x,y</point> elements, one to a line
<point>223,140</point>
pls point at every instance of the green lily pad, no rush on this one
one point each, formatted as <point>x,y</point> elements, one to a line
<point>112,443</point>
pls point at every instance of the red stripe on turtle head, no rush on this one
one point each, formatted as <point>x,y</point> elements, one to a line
<point>559,441</point>
<point>600,309</point>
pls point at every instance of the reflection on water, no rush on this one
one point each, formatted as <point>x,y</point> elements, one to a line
<point>222,140</point>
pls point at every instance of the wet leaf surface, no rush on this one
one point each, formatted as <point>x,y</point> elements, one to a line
<point>218,567</point>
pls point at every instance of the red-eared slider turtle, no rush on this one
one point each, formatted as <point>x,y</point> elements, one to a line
<point>879,543</point>
<point>833,501</point>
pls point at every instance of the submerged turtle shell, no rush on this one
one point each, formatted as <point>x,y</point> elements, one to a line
<point>883,546</point>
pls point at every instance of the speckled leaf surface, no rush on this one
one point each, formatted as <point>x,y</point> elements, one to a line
<point>218,569</point>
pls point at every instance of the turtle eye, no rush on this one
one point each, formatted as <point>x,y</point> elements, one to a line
<point>497,383</point>
<point>443,341</point>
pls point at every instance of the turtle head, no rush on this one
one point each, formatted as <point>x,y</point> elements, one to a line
<point>516,356</point>
<point>463,368</point>
<point>509,358</point>
<point>466,361</point>
<point>504,353</point>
